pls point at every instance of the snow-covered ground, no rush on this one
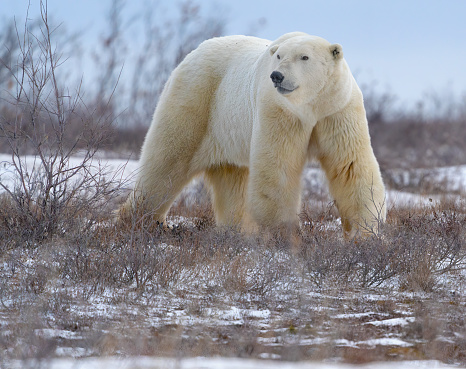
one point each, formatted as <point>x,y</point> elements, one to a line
<point>452,179</point>
<point>170,308</point>
<point>126,169</point>
<point>216,363</point>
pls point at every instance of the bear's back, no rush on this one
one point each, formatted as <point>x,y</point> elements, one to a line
<point>221,54</point>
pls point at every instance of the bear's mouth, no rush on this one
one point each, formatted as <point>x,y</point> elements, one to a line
<point>282,90</point>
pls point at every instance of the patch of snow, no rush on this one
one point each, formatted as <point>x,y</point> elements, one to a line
<point>452,179</point>
<point>280,340</point>
<point>238,314</point>
<point>344,342</point>
<point>258,314</point>
<point>405,199</point>
<point>384,342</point>
<point>393,322</point>
<point>127,168</point>
<point>174,221</point>
<point>313,179</point>
<point>48,333</point>
<point>269,356</point>
<point>215,363</point>
<point>355,315</point>
<point>74,352</point>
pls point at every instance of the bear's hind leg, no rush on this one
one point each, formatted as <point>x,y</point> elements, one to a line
<point>229,187</point>
<point>155,192</point>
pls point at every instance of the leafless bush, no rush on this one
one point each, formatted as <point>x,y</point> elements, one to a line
<point>163,46</point>
<point>52,191</point>
<point>436,241</point>
<point>8,39</point>
<point>411,143</point>
<point>202,268</point>
<point>140,70</point>
<point>413,250</point>
<point>429,136</point>
<point>414,247</point>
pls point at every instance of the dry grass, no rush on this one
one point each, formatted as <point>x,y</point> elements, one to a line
<point>117,291</point>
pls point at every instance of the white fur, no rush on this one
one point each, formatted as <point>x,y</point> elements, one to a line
<point>220,115</point>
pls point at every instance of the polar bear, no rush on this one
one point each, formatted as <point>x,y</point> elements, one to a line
<point>249,113</point>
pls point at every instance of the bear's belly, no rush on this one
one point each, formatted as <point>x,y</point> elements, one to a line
<point>232,142</point>
<point>225,142</point>
<point>229,130</point>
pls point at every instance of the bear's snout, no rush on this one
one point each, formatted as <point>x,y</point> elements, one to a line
<point>277,77</point>
<point>283,88</point>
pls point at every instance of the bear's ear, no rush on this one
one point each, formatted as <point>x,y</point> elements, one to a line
<point>337,51</point>
<point>273,49</point>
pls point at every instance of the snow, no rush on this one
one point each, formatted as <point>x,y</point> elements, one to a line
<point>74,352</point>
<point>238,314</point>
<point>126,169</point>
<point>384,342</point>
<point>313,179</point>
<point>216,363</point>
<point>393,322</point>
<point>51,333</point>
<point>452,179</point>
<point>356,315</point>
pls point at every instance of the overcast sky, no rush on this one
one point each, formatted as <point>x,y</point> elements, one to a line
<point>406,47</point>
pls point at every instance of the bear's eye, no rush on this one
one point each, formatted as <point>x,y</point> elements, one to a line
<point>305,57</point>
<point>278,56</point>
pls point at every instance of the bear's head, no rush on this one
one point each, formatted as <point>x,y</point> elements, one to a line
<point>302,66</point>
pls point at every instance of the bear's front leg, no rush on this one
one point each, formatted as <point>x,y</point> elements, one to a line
<point>355,182</point>
<point>278,155</point>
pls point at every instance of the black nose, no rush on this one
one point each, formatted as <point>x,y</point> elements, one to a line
<point>277,77</point>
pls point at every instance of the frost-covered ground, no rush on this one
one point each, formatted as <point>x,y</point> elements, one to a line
<point>220,363</point>
<point>76,323</point>
<point>450,179</point>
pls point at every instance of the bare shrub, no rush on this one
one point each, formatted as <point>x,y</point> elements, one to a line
<point>156,263</point>
<point>163,46</point>
<point>10,46</point>
<point>416,247</point>
<point>365,263</point>
<point>429,136</point>
<point>412,143</point>
<point>246,266</point>
<point>139,69</point>
<point>195,271</point>
<point>435,241</point>
<point>52,191</point>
